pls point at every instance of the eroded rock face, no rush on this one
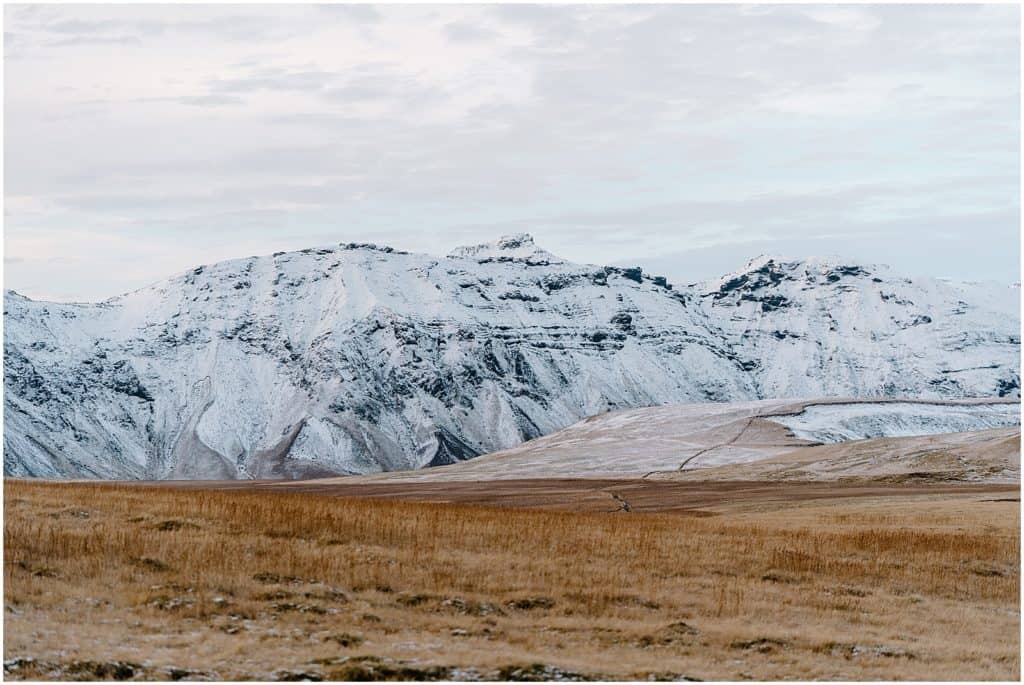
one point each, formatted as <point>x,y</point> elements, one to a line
<point>360,358</point>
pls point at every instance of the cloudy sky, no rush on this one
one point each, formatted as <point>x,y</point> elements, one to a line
<point>142,140</point>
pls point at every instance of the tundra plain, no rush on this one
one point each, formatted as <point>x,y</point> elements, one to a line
<point>754,581</point>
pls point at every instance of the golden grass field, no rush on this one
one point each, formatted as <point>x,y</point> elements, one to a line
<point>115,581</point>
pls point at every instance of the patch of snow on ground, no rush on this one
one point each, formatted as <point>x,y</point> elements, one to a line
<point>830,423</point>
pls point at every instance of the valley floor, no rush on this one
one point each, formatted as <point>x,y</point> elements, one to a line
<point>565,580</point>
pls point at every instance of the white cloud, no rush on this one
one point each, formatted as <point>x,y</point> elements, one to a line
<point>182,132</point>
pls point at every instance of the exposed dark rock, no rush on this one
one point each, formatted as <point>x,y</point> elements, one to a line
<point>769,303</point>
<point>840,271</point>
<point>1008,387</point>
<point>450,449</point>
<point>624,322</point>
<point>634,273</point>
<point>782,335</point>
<point>542,672</point>
<point>518,295</point>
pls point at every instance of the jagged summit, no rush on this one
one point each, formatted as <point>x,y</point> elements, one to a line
<point>769,280</point>
<point>808,269</point>
<point>515,247</point>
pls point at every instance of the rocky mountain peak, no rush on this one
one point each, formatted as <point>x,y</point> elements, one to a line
<point>767,272</point>
<point>517,247</point>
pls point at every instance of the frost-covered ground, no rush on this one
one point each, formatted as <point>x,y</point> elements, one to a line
<point>358,359</point>
<point>659,442</point>
<point>979,456</point>
<point>839,422</point>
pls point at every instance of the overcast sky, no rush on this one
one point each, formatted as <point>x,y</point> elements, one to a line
<point>142,140</point>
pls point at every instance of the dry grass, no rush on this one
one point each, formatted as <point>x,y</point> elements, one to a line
<point>117,581</point>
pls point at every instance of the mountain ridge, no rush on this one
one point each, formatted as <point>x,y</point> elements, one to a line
<point>358,358</point>
<point>492,251</point>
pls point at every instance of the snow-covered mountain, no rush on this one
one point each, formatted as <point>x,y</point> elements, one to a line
<point>358,358</point>
<point>860,330</point>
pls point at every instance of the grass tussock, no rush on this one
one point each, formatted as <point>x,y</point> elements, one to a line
<point>267,585</point>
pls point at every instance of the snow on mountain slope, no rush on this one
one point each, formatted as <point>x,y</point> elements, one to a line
<point>658,442</point>
<point>840,422</point>
<point>359,359</point>
<point>859,330</point>
<point>350,359</point>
